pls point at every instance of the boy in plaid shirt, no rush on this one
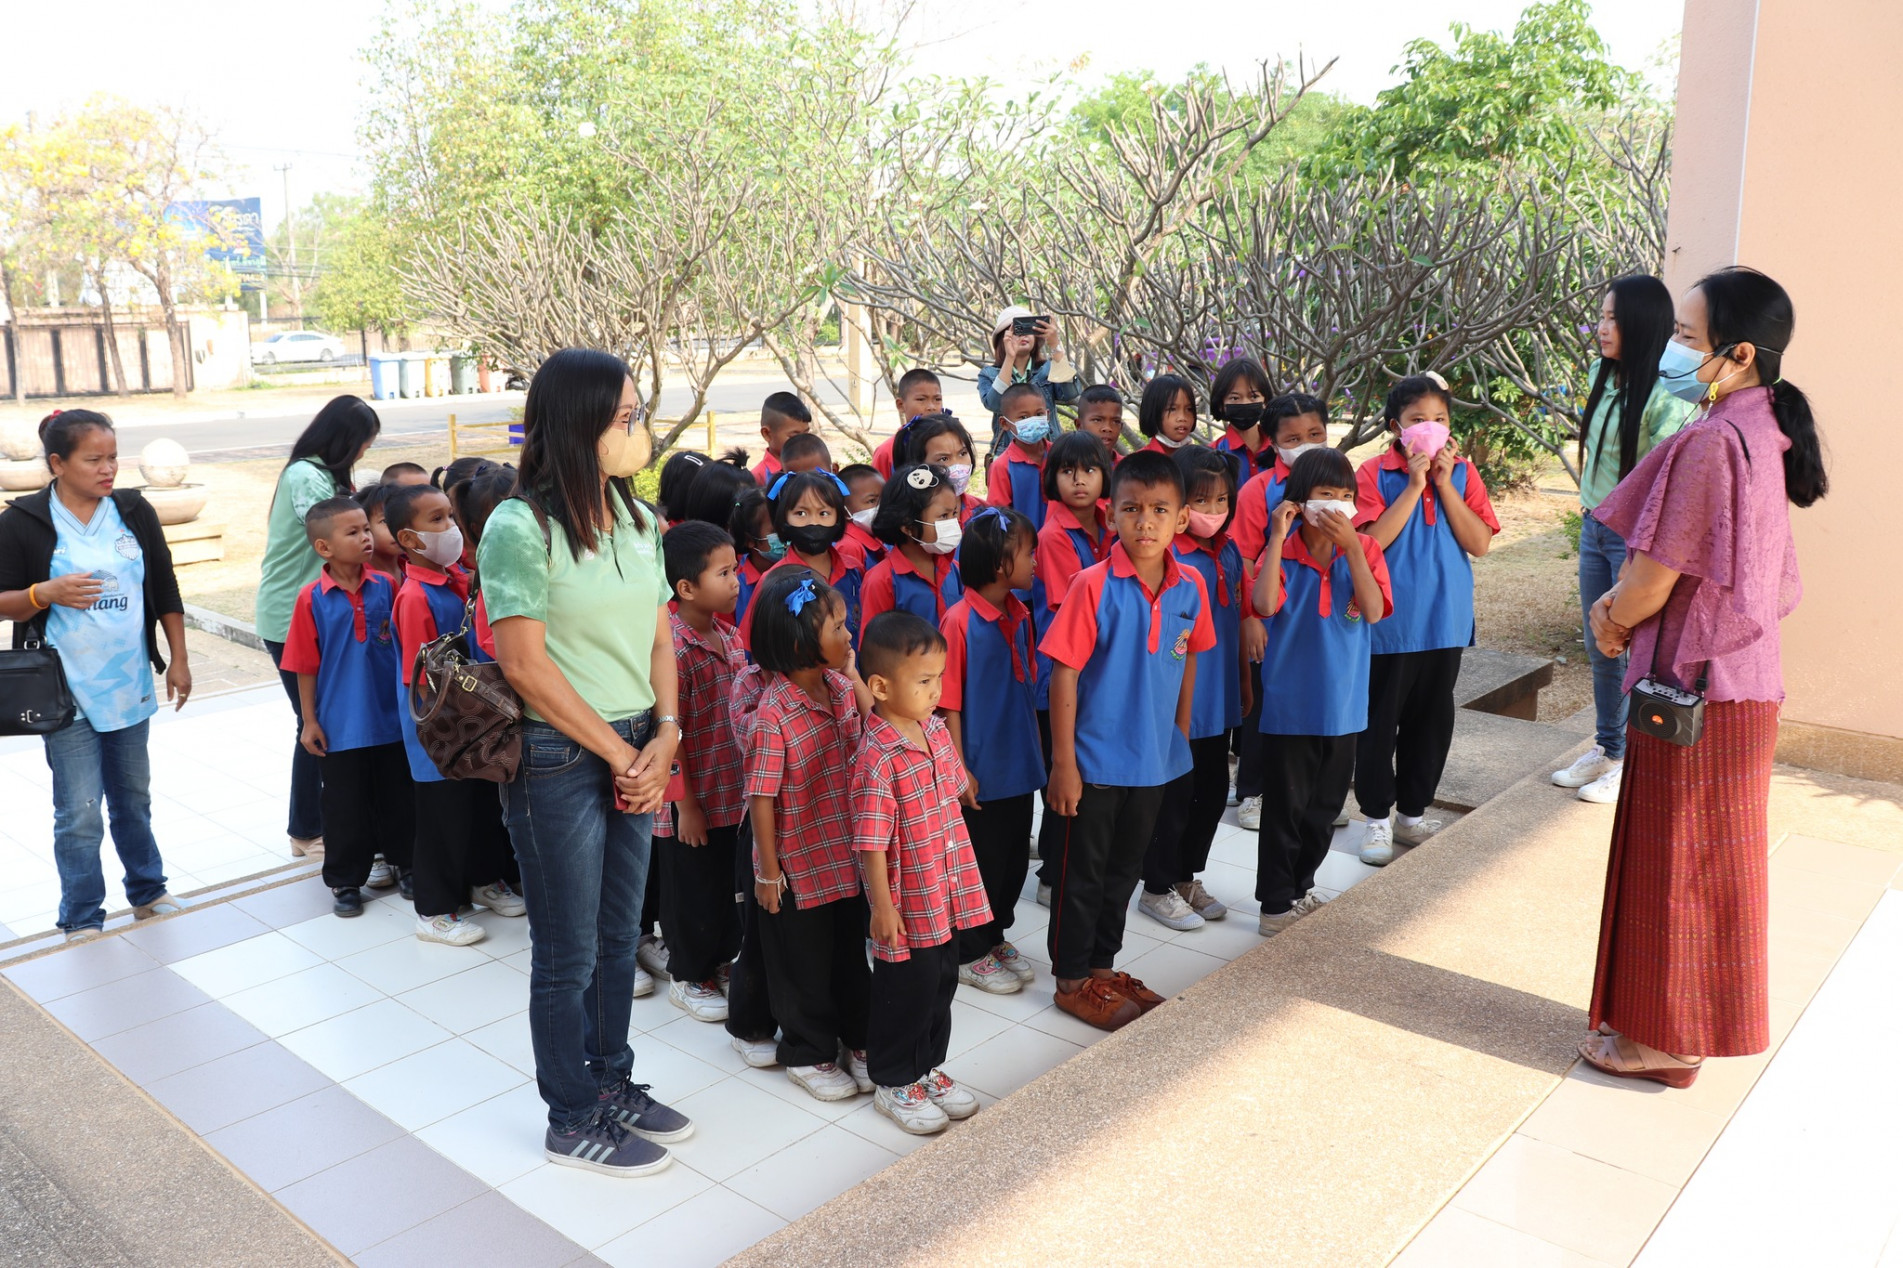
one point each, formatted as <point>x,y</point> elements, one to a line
<point>920,873</point>
<point>798,762</point>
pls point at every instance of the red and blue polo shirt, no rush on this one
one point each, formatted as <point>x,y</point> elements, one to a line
<point>1016,480</point>
<point>1255,502</point>
<point>800,753</point>
<point>1129,647</point>
<point>1216,705</point>
<point>895,582</point>
<point>1250,462</point>
<point>429,603</point>
<point>1433,577</point>
<point>847,576</point>
<point>905,806</point>
<point>991,680</point>
<point>768,470</point>
<point>348,639</point>
<point>1064,549</point>
<point>749,574</point>
<point>1315,671</point>
<point>707,665</point>
<point>869,546</point>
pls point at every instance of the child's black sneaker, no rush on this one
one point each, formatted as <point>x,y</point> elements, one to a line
<point>347,901</point>
<point>606,1146</point>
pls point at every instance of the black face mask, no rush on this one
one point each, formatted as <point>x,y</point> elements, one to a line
<point>1242,415</point>
<point>812,539</point>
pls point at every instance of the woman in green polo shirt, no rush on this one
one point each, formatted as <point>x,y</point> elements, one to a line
<point>319,468</point>
<point>576,593</point>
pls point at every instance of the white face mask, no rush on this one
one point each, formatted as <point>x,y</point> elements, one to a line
<point>1288,456</point>
<point>443,548</point>
<point>1167,443</point>
<point>960,477</point>
<point>950,533</point>
<point>864,518</point>
<point>1314,507</point>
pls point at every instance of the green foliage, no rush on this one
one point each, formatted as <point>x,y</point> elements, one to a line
<point>1508,450</point>
<point>358,288</point>
<point>1125,103</point>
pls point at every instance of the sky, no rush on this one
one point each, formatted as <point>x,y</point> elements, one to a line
<point>281,83</point>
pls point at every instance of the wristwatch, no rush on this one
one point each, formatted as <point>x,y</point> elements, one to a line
<point>666,718</point>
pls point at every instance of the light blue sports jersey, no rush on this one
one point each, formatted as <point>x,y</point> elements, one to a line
<point>102,648</point>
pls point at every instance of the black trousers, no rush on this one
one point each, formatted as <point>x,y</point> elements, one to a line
<point>368,810</point>
<point>651,896</point>
<point>1410,727</point>
<point>697,908</point>
<point>1052,830</point>
<point>1187,820</point>
<point>461,842</point>
<point>1249,773</point>
<point>749,1009</point>
<point>1001,839</point>
<point>1307,779</point>
<point>909,1030</point>
<point>1103,858</point>
<point>816,976</point>
<point>307,777</point>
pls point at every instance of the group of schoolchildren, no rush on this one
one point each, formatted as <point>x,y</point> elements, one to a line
<point>880,672</point>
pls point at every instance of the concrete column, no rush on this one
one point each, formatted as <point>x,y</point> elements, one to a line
<point>1785,159</point>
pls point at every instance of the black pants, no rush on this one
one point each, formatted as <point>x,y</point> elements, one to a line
<point>1307,779</point>
<point>909,1030</point>
<point>461,842</point>
<point>651,897</point>
<point>1410,727</point>
<point>368,810</point>
<point>1249,773</point>
<point>1103,858</point>
<point>816,976</point>
<point>697,908</point>
<point>1001,839</point>
<point>1187,820</point>
<point>307,773</point>
<point>749,1009</point>
<point>1053,829</point>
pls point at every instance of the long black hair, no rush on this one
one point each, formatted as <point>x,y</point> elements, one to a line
<point>1744,306</point>
<point>1159,394</point>
<point>716,490</point>
<point>572,400</point>
<point>1642,309</point>
<point>336,436</point>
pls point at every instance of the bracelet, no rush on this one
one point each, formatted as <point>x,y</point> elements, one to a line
<point>664,719</point>
<point>778,881</point>
<point>34,599</point>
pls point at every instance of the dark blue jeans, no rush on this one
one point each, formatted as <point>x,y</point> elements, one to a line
<point>584,867</point>
<point>1601,555</point>
<point>307,771</point>
<point>90,767</point>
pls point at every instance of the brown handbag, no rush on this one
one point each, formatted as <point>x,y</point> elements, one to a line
<point>468,718</point>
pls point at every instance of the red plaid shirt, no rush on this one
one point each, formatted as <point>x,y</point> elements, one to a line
<point>707,665</point>
<point>905,804</point>
<point>800,754</point>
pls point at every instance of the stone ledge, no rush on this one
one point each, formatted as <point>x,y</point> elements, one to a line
<point>1491,753</point>
<point>1502,682</point>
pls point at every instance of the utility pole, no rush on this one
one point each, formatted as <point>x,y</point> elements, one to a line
<point>290,233</point>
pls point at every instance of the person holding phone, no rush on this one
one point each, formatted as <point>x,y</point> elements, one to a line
<point>1024,350</point>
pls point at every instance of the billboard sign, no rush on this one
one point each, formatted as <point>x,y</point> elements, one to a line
<point>240,218</point>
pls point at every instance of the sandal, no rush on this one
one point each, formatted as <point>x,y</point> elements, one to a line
<point>1625,1058</point>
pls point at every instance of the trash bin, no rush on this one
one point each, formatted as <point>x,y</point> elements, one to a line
<point>384,370</point>
<point>435,374</point>
<point>462,373</point>
<point>410,374</point>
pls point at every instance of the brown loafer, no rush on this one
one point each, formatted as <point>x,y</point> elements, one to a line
<point>1134,990</point>
<point>1099,1004</point>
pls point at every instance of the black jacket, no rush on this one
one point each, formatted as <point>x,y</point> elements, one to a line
<point>27,538</point>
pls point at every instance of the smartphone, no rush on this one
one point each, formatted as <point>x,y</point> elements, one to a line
<point>1027,325</point>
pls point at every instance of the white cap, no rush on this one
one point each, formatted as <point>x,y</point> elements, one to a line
<point>1005,318</point>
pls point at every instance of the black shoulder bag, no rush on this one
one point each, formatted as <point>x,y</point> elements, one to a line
<point>34,696</point>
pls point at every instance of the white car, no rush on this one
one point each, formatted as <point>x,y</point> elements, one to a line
<point>297,345</point>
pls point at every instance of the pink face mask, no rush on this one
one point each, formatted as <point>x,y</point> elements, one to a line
<point>1426,438</point>
<point>1203,524</point>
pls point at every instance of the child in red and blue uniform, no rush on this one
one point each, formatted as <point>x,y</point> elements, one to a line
<point>919,394</point>
<point>1016,477</point>
<point>1167,414</point>
<point>1193,805</point>
<point>1322,587</point>
<point>1238,399</point>
<point>918,520</point>
<point>990,704</point>
<point>342,647</point>
<point>1428,508</point>
<point>782,415</point>
<point>1100,414</point>
<point>940,440</point>
<point>1122,684</point>
<point>809,517</point>
<point>462,844</point>
<point>922,881</point>
<point>760,548</point>
<point>864,487</point>
<point>799,755</point>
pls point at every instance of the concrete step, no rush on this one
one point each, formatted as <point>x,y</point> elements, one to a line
<point>1491,753</point>
<point>1502,682</point>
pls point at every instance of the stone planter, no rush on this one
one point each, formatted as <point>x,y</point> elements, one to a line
<point>179,505</point>
<point>24,476</point>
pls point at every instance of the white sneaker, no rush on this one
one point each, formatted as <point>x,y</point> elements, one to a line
<point>1035,856</point>
<point>1377,850</point>
<point>700,1000</point>
<point>1013,961</point>
<point>912,1108</point>
<point>1169,910</point>
<point>949,1095</point>
<point>382,875</point>
<point>500,899</point>
<point>826,1081</point>
<point>1268,926</point>
<point>1416,833</point>
<point>853,1062</point>
<point>1587,767</point>
<point>761,1054</point>
<point>1201,901</point>
<point>651,954</point>
<point>451,931</point>
<point>1233,799</point>
<point>1605,789</point>
<point>643,982</point>
<point>1342,820</point>
<point>1249,814</point>
<point>1043,894</point>
<point>989,976</point>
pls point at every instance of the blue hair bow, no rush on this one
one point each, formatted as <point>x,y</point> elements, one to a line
<point>989,513</point>
<point>773,490</point>
<point>799,596</point>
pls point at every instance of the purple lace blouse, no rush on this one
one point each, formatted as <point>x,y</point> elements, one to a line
<point>1700,506</point>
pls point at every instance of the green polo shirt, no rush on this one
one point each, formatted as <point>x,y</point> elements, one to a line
<point>600,607</point>
<point>290,561</point>
<point>1664,415</point>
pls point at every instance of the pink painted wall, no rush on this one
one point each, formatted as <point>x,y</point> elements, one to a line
<point>1786,158</point>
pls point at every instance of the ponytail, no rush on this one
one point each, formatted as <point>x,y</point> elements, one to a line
<point>1805,480</point>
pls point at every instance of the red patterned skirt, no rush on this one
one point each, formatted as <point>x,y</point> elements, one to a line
<point>1683,961</point>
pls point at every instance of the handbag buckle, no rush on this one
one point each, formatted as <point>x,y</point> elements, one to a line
<point>466,681</point>
<point>28,717</point>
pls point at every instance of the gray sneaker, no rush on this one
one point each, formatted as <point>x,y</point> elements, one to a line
<point>607,1147</point>
<point>632,1107</point>
<point>651,954</point>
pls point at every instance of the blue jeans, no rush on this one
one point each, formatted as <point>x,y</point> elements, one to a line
<point>584,867</point>
<point>90,767</point>
<point>1601,555</point>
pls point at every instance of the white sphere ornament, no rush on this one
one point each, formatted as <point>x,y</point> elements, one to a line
<point>164,464</point>
<point>20,440</point>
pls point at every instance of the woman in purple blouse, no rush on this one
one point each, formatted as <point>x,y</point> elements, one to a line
<point>1712,569</point>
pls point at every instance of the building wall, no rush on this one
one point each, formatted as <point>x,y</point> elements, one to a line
<point>1786,159</point>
